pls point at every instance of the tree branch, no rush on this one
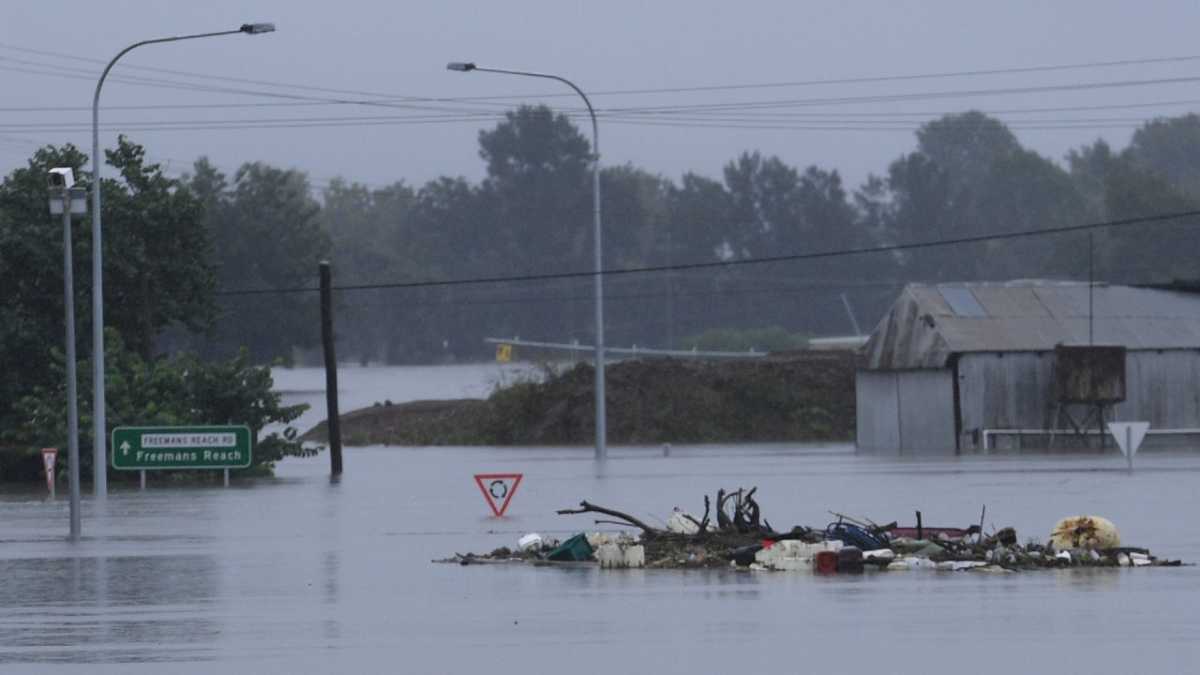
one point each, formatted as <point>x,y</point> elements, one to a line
<point>585,507</point>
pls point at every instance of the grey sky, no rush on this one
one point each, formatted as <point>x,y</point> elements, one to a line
<point>400,49</point>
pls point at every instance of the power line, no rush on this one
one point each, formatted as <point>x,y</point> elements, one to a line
<point>869,79</point>
<point>409,101</point>
<point>722,264</point>
<point>706,121</point>
<point>793,289</point>
<point>226,78</point>
<point>912,96</point>
<point>794,114</point>
<point>650,116</point>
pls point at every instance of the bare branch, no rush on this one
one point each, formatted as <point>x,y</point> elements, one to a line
<point>585,507</point>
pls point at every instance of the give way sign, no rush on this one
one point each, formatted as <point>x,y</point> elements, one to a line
<point>498,489</point>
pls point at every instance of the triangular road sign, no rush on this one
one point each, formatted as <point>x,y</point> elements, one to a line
<point>1129,435</point>
<point>498,489</point>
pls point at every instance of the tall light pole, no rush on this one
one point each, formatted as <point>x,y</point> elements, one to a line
<point>100,440</point>
<point>68,200</point>
<point>601,417</point>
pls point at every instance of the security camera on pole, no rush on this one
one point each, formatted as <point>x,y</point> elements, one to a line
<point>68,200</point>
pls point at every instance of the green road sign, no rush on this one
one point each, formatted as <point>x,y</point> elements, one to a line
<point>141,448</point>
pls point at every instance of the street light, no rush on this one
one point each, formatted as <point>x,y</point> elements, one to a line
<point>601,417</point>
<point>68,200</point>
<point>100,442</point>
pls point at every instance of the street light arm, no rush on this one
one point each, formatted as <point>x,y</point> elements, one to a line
<point>123,52</point>
<point>597,252</point>
<point>549,76</point>
<point>99,442</point>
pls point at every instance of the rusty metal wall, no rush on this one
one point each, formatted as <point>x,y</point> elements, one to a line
<point>1090,373</point>
<point>908,411</point>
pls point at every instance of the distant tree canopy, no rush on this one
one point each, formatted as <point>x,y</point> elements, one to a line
<point>424,262</point>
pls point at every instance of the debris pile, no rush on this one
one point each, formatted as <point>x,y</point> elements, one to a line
<point>738,536</point>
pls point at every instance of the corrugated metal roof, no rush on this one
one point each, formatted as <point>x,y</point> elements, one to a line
<point>928,323</point>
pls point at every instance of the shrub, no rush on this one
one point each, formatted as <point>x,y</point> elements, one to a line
<point>181,390</point>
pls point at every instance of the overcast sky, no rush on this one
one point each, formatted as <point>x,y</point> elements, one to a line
<point>394,54</point>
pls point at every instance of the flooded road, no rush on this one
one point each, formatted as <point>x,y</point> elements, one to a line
<point>296,574</point>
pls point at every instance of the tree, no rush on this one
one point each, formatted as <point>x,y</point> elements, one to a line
<point>764,203</point>
<point>538,192</point>
<point>178,391</point>
<point>700,212</point>
<point>538,174</point>
<point>266,235</point>
<point>371,243</point>
<point>970,178</point>
<point>1152,252</point>
<point>156,252</point>
<point>1143,180</point>
<point>1170,147</point>
<point>966,146</point>
<point>155,268</point>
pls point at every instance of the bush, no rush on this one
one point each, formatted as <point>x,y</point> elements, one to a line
<point>181,390</point>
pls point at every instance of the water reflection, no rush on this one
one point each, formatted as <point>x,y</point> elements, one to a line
<point>300,575</point>
<point>84,609</point>
<point>1103,579</point>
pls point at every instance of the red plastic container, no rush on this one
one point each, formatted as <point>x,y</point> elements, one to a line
<point>826,562</point>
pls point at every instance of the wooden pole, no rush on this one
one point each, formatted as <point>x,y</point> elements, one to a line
<point>333,424</point>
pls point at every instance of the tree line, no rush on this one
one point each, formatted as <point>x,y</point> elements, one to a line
<point>530,215</point>
<point>211,263</point>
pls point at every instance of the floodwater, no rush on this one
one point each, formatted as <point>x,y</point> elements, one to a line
<point>360,387</point>
<point>298,574</point>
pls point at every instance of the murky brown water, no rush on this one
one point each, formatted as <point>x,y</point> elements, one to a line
<point>299,575</point>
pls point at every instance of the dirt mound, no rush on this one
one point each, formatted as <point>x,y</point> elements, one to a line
<point>453,422</point>
<point>798,397</point>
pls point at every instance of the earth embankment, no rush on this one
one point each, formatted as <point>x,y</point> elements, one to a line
<point>800,396</point>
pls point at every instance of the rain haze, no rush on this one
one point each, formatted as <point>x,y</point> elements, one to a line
<point>396,52</point>
<point>870,344</point>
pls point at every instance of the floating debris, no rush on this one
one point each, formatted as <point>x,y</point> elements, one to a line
<point>741,538</point>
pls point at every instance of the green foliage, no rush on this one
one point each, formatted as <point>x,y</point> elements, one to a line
<point>157,252</point>
<point>770,339</point>
<point>180,390</point>
<point>156,272</point>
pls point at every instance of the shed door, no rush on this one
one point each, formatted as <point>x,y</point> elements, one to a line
<point>909,411</point>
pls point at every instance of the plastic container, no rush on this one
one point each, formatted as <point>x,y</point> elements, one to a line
<point>826,562</point>
<point>850,559</point>
<point>533,540</point>
<point>574,549</point>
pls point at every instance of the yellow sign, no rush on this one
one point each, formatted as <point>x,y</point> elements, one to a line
<point>504,353</point>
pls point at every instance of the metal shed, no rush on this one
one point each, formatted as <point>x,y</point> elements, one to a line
<point>959,367</point>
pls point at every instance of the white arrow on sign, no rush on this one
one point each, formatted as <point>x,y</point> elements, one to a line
<point>1129,435</point>
<point>125,448</point>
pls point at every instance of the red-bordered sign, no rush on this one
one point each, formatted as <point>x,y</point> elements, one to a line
<point>49,458</point>
<point>498,489</point>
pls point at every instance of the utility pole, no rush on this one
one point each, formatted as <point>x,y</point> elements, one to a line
<point>333,424</point>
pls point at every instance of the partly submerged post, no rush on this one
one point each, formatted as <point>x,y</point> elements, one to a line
<point>1129,449</point>
<point>333,424</point>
